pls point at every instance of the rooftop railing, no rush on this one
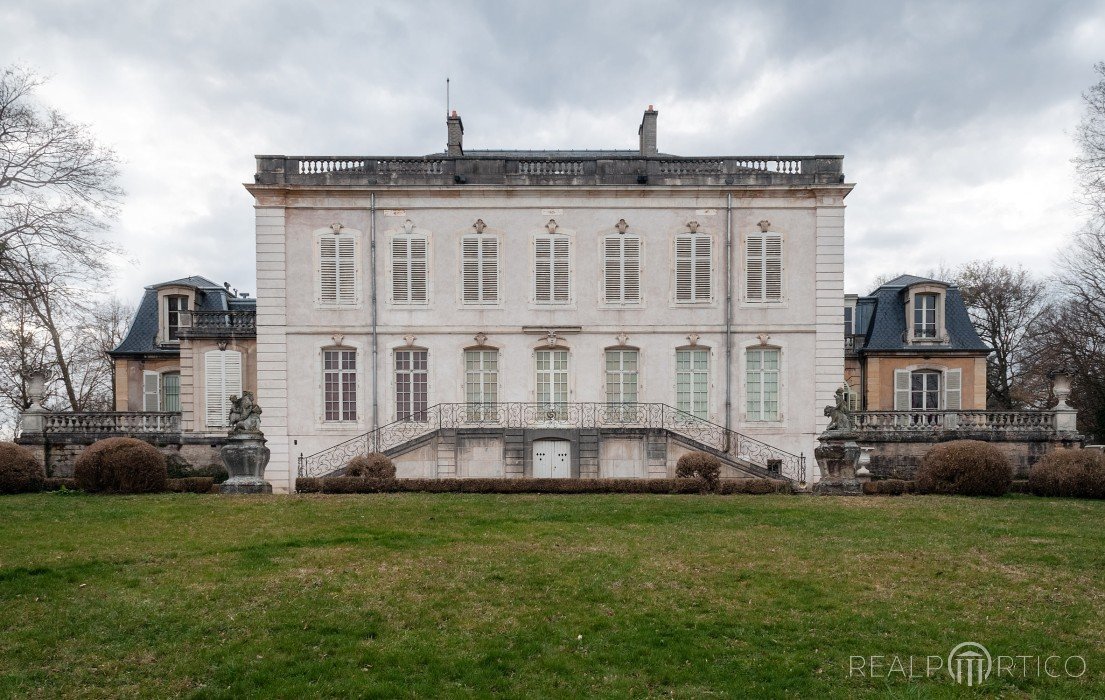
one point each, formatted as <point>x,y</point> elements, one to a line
<point>201,324</point>
<point>559,168</point>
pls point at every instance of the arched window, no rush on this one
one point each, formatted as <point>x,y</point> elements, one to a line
<point>339,384</point>
<point>692,381</point>
<point>762,384</point>
<point>481,382</point>
<point>411,384</point>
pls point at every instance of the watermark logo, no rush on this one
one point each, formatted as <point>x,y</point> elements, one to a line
<point>969,663</point>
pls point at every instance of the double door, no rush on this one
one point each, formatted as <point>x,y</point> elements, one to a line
<point>552,459</point>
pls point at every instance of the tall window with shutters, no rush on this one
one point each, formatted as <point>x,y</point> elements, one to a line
<point>552,269</point>
<point>762,384</point>
<point>480,269</point>
<point>337,269</point>
<point>622,269</point>
<point>222,379</point>
<point>411,384</point>
<point>339,385</point>
<point>763,267</point>
<point>410,269</point>
<point>692,381</point>
<point>928,390</point>
<point>694,267</point>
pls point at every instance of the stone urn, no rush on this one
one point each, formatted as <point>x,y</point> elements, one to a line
<point>244,453</point>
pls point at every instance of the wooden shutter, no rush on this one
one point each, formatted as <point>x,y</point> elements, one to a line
<point>328,270</point>
<point>901,389</point>
<point>953,390</point>
<point>703,267</point>
<point>561,271</point>
<point>480,269</point>
<point>754,268</point>
<point>542,269</point>
<point>151,397</point>
<point>400,270</point>
<point>631,275</point>
<point>489,270</point>
<point>684,269</point>
<point>419,271</point>
<point>222,379</point>
<point>612,264</point>
<point>773,267</point>
<point>347,270</point>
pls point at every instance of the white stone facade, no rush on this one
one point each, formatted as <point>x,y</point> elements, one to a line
<point>295,324</point>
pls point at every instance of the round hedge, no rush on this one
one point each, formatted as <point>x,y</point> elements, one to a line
<point>1074,473</point>
<point>699,464</point>
<point>371,466</point>
<point>965,468</point>
<point>20,472</point>
<point>121,465</point>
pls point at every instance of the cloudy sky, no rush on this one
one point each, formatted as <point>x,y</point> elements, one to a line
<point>955,119</point>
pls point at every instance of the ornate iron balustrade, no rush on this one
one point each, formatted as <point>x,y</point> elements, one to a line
<point>218,323</point>
<point>558,415</point>
<point>891,422</point>
<point>111,422</point>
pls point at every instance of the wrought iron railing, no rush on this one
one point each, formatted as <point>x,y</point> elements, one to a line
<point>558,415</point>
<point>111,422</point>
<point>890,422</point>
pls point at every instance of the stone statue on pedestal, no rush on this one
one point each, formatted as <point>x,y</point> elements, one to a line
<point>245,454</point>
<point>838,455</point>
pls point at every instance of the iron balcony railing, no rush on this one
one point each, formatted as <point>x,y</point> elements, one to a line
<point>558,415</point>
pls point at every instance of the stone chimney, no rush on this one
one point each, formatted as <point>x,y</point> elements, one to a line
<point>647,132</point>
<point>456,134</point>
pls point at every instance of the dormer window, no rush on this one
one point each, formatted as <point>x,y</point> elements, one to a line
<point>174,305</point>
<point>924,313</point>
<point>924,316</point>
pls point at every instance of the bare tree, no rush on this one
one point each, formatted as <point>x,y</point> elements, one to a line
<point>58,187</point>
<point>1090,137</point>
<point>1005,305</point>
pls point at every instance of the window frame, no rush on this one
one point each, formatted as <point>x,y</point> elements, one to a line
<point>342,373</point>
<point>480,239</point>
<point>693,238</point>
<point>553,403</point>
<point>481,410</point>
<point>621,302</point>
<point>763,373</point>
<point>340,237</point>
<point>934,289</point>
<point>764,237</point>
<point>553,239</point>
<point>705,413</point>
<point>413,415</point>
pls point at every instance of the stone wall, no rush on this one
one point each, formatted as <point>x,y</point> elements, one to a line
<point>898,457</point>
<point>59,452</point>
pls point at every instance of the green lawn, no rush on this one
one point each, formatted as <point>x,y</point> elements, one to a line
<point>415,595</point>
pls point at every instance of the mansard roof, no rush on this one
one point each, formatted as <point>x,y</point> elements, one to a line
<point>142,337</point>
<point>881,322</point>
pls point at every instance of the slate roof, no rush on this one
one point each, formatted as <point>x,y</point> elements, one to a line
<point>143,330</point>
<point>880,319</point>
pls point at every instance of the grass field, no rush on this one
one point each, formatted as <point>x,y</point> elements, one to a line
<point>413,595</point>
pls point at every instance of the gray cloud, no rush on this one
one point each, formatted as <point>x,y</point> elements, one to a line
<point>954,118</point>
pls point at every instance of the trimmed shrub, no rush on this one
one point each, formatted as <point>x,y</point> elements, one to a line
<point>121,465</point>
<point>20,472</point>
<point>192,484</point>
<point>889,487</point>
<point>180,468</point>
<point>55,483</point>
<point>965,468</point>
<point>346,484</point>
<point>371,466</point>
<point>1072,473</point>
<point>702,465</point>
